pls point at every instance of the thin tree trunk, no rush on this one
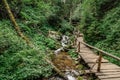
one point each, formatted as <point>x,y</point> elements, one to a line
<point>16,26</point>
<point>12,18</point>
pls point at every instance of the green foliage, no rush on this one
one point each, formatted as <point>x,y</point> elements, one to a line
<point>72,53</point>
<point>45,42</point>
<point>17,60</point>
<point>9,41</point>
<point>45,29</point>
<point>35,18</point>
<point>50,43</point>
<point>26,64</point>
<point>100,24</point>
<point>66,27</point>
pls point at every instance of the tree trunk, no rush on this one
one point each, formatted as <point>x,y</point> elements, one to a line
<point>12,18</point>
<point>16,26</point>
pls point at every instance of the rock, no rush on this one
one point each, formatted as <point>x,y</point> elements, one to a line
<point>76,62</point>
<point>75,72</point>
<point>70,77</point>
<point>65,40</point>
<point>64,43</point>
<point>53,34</point>
<point>59,50</point>
<point>55,78</point>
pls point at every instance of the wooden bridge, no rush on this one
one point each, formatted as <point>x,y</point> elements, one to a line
<point>102,68</point>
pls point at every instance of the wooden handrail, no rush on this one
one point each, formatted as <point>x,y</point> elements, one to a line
<point>103,52</point>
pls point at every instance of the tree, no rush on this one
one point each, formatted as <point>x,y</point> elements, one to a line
<point>12,18</point>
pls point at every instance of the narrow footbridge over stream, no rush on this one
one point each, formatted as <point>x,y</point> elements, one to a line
<point>102,68</point>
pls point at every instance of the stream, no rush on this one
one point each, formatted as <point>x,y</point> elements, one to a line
<point>65,63</point>
<point>62,60</point>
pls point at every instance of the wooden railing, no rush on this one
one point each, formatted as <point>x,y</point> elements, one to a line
<point>101,53</point>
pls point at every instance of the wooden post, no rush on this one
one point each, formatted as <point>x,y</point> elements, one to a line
<point>75,41</point>
<point>99,62</point>
<point>78,46</point>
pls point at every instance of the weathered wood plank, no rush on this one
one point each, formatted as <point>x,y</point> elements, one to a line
<point>109,76</point>
<point>93,60</point>
<point>107,73</point>
<point>103,52</point>
<point>112,79</point>
<point>105,66</point>
<point>108,70</point>
<point>84,55</point>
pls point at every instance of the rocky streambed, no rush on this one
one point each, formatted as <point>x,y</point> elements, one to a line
<point>71,68</point>
<point>66,64</point>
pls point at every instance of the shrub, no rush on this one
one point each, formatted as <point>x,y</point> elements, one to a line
<point>66,27</point>
<point>17,60</point>
<point>26,64</point>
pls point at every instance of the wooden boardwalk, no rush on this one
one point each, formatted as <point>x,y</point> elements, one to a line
<point>108,71</point>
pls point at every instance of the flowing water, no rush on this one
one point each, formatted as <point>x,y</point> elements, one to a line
<point>64,62</point>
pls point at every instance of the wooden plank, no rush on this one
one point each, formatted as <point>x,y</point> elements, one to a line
<point>86,50</point>
<point>107,70</point>
<point>115,71</point>
<point>105,66</point>
<point>80,39</point>
<point>88,55</point>
<point>93,60</point>
<point>112,79</point>
<point>103,52</point>
<point>109,76</point>
<point>107,73</point>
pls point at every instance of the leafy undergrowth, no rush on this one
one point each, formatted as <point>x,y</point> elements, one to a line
<point>73,54</point>
<point>99,21</point>
<point>100,24</point>
<point>17,60</point>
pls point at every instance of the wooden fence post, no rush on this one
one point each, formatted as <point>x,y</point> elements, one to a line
<point>75,41</point>
<point>78,46</point>
<point>99,62</point>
